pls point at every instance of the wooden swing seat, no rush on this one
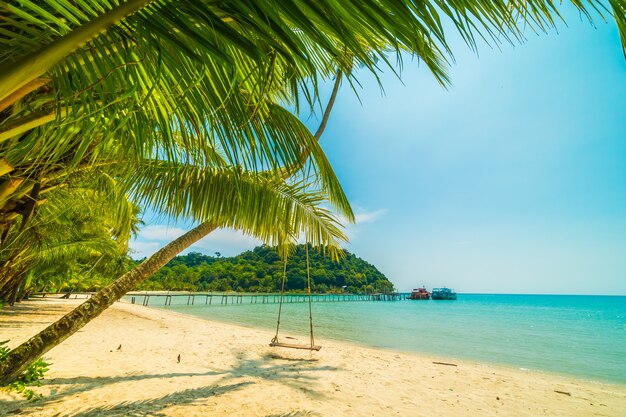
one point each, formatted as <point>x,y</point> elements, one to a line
<point>295,346</point>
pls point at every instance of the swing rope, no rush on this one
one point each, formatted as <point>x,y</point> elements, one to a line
<point>308,281</point>
<point>280,302</point>
<point>275,342</point>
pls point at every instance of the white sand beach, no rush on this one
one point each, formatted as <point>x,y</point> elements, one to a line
<point>125,363</point>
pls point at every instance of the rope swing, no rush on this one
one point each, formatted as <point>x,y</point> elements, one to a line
<point>275,342</point>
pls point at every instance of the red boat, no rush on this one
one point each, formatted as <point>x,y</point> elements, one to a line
<point>419,294</point>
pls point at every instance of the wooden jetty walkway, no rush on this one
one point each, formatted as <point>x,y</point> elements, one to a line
<point>193,298</point>
<point>247,298</point>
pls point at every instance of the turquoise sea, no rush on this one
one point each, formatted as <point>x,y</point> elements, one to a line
<point>583,336</point>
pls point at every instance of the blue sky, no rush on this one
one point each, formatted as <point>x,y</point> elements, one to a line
<point>510,181</point>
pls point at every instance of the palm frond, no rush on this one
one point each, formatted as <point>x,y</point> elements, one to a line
<point>259,204</point>
<point>45,32</point>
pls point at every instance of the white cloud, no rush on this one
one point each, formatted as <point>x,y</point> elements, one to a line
<point>361,216</point>
<point>368,216</point>
<point>161,232</point>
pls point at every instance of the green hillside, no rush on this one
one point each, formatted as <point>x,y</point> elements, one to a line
<point>260,270</point>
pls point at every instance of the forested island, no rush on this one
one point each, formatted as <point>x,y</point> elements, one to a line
<point>261,270</point>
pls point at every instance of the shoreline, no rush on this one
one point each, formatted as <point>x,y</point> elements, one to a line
<point>427,355</point>
<point>228,369</point>
<point>550,342</point>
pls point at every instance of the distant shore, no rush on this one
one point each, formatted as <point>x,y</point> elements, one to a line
<point>126,363</point>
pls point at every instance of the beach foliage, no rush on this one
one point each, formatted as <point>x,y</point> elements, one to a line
<point>31,377</point>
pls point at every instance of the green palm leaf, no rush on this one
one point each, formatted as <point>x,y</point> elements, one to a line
<point>262,205</point>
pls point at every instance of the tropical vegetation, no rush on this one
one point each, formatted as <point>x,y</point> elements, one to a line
<point>80,232</point>
<point>261,270</point>
<point>183,105</point>
<point>32,377</point>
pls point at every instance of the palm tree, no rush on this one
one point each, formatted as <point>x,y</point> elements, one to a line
<point>293,209</point>
<point>77,223</point>
<point>146,177</point>
<point>209,31</point>
<point>260,204</point>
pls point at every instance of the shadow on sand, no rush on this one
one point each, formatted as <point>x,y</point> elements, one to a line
<point>155,406</point>
<point>296,373</point>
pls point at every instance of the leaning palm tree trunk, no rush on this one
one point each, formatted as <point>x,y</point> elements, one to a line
<point>16,362</point>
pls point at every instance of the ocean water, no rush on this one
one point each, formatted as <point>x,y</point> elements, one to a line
<point>582,336</point>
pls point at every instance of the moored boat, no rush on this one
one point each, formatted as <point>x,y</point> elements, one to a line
<point>419,294</point>
<point>443,294</point>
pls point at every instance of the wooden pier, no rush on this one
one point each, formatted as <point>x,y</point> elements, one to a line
<point>200,298</point>
<point>190,299</point>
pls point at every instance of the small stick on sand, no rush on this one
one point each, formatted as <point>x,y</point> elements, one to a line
<point>445,363</point>
<point>563,392</point>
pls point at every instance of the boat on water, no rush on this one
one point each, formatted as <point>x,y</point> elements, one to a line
<point>419,294</point>
<point>443,294</point>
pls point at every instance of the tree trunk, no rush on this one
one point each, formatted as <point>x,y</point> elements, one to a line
<point>16,289</point>
<point>8,275</point>
<point>16,362</point>
<point>6,291</point>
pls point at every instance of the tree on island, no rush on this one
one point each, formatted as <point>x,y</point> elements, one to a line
<point>181,80</point>
<point>261,270</point>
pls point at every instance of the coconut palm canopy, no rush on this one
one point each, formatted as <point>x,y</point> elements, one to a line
<point>82,81</point>
<point>174,65</point>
